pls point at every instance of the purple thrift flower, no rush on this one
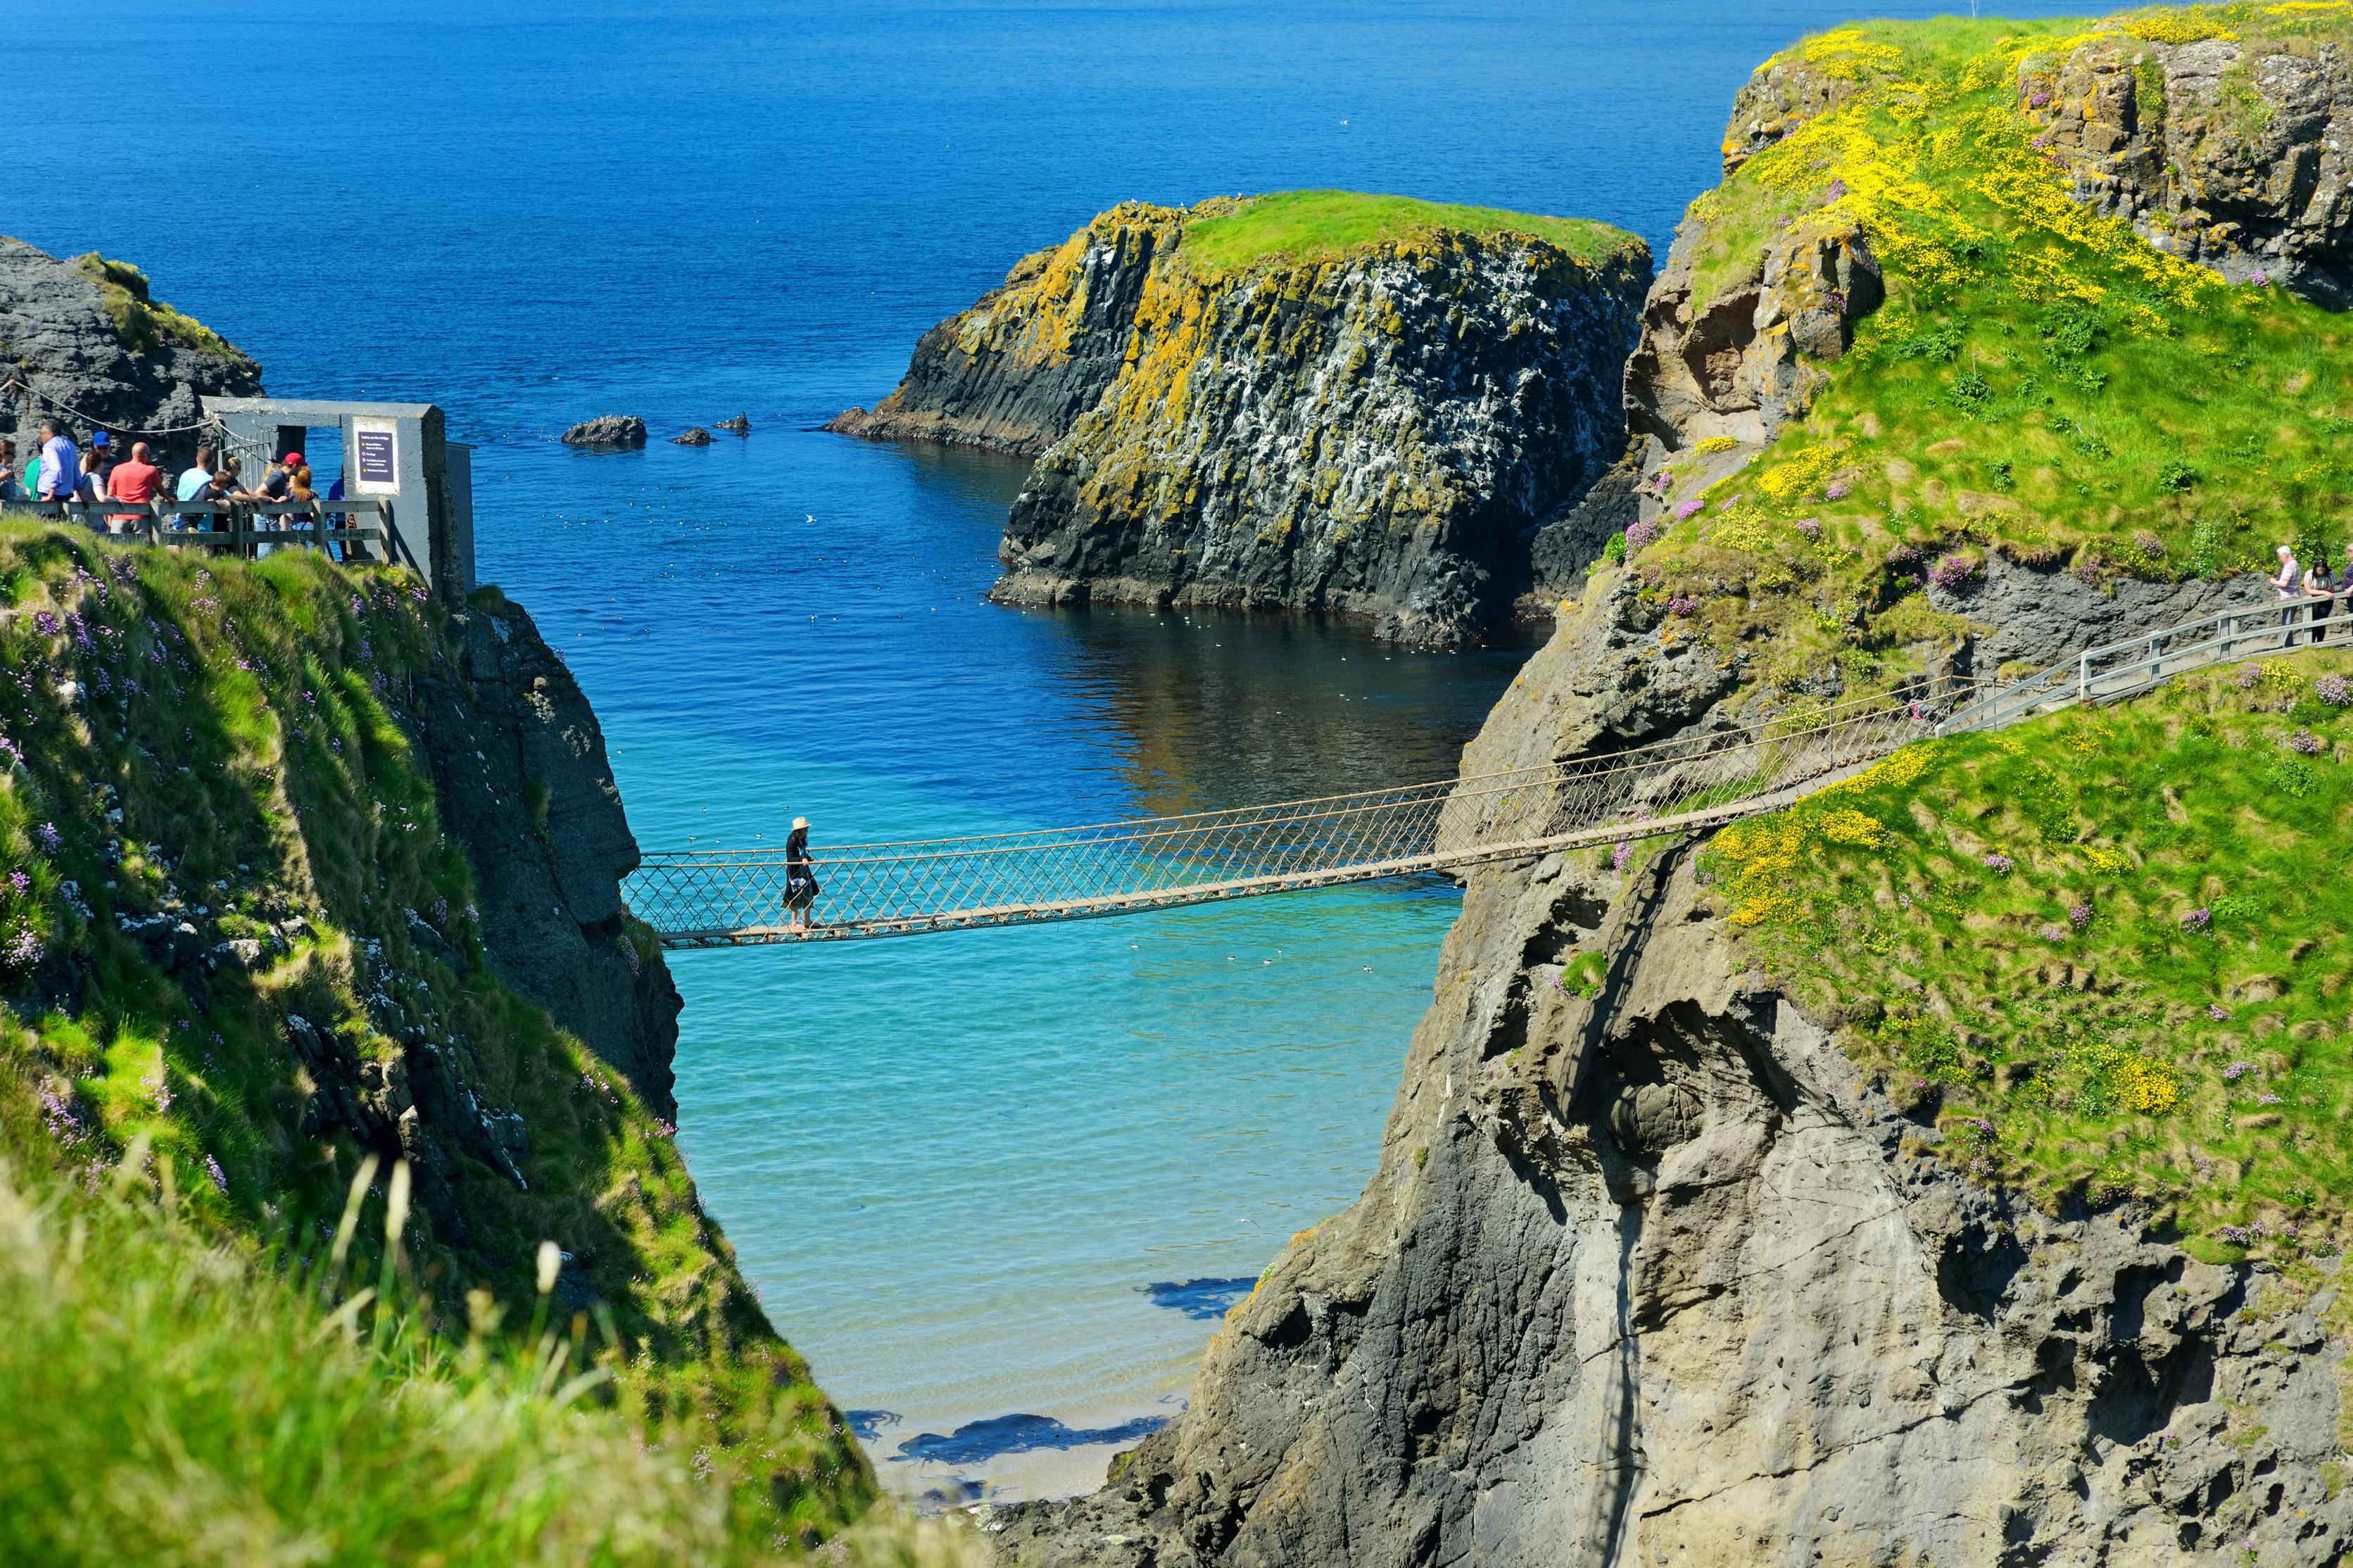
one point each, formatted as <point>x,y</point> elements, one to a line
<point>2308,743</point>
<point>2080,916</point>
<point>2236,1071</point>
<point>1838,490</point>
<point>1644,533</point>
<point>1837,189</point>
<point>2235,1234</point>
<point>2247,677</point>
<point>2333,691</point>
<point>46,836</point>
<point>2217,1012</point>
<point>2053,932</point>
<point>10,750</point>
<point>212,1169</point>
<point>2196,920</point>
<point>1998,863</point>
<point>2267,1097</point>
<point>1811,527</point>
<point>1682,605</point>
<point>1950,572</point>
<point>1622,856</point>
<point>2260,279</point>
<point>20,882</point>
<point>1687,510</point>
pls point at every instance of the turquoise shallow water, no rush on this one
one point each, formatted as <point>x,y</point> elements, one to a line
<point>954,1166</point>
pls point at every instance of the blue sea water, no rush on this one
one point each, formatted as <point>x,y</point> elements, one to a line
<point>981,1177</point>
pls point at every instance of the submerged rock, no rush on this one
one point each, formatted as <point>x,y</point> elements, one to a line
<point>739,425</point>
<point>86,335</point>
<point>608,430</point>
<point>697,437</point>
<point>1375,429</point>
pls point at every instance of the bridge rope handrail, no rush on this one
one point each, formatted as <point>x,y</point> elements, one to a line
<point>1316,808</point>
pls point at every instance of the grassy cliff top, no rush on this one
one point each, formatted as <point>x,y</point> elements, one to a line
<point>232,750</point>
<point>2106,953</point>
<point>1320,226</point>
<point>2041,381</point>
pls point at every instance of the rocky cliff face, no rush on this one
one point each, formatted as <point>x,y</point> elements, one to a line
<point>519,770</point>
<point>1015,372</point>
<point>1743,359</point>
<point>2231,152</point>
<point>1377,438</point>
<point>1648,1275</point>
<point>86,335</point>
<point>1378,434</point>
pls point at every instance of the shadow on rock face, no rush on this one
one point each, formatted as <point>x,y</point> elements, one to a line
<point>999,1435</point>
<point>1207,1299</point>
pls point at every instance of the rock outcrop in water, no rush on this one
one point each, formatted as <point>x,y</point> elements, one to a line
<point>609,431</point>
<point>1014,372</point>
<point>1377,431</point>
<point>86,335</point>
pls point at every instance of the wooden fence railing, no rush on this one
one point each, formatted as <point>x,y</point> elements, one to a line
<point>362,525</point>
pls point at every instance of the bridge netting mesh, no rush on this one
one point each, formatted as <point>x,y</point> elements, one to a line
<point>729,898</point>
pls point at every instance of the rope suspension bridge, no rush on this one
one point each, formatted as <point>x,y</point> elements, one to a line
<point>702,899</point>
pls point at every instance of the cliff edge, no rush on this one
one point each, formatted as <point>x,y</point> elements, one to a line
<point>301,868</point>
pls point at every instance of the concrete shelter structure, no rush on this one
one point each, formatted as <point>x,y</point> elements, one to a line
<point>397,452</point>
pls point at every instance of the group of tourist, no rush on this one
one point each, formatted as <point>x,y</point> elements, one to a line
<point>2310,591</point>
<point>56,473</point>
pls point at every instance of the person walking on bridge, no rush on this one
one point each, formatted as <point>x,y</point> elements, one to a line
<point>801,887</point>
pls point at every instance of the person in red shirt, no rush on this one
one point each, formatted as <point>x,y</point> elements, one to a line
<point>135,480</point>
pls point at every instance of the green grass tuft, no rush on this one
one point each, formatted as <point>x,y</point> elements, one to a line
<point>1294,226</point>
<point>2150,998</point>
<point>145,322</point>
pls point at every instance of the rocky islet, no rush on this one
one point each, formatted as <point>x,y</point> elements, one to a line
<point>1376,429</point>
